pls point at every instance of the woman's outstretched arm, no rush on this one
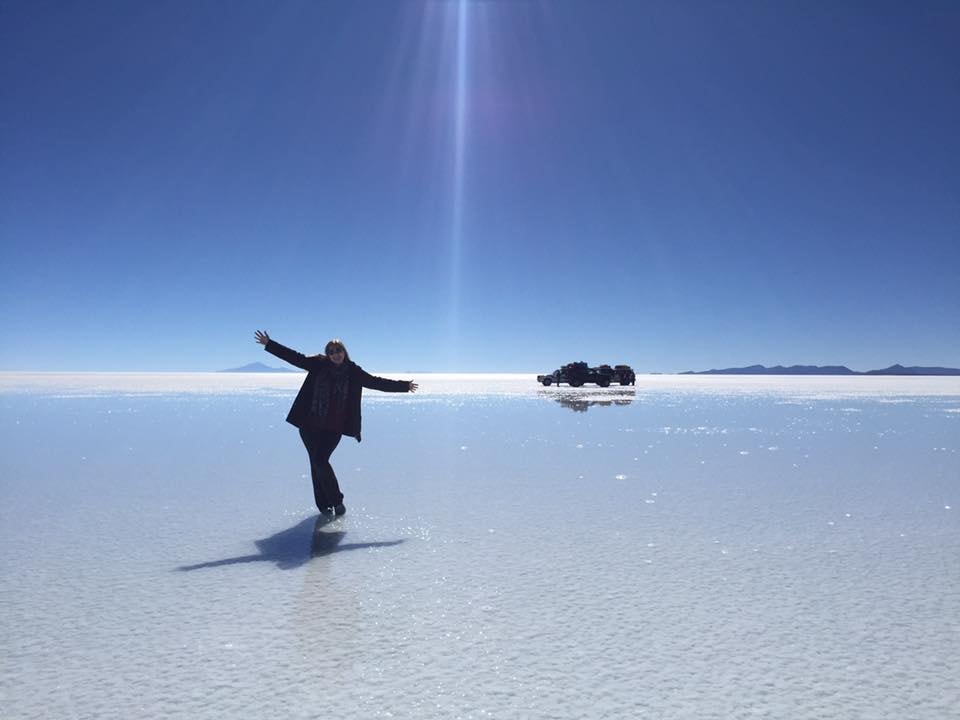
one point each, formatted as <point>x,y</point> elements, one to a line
<point>283,352</point>
<point>384,385</point>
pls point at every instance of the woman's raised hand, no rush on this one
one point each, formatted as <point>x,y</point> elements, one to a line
<point>413,386</point>
<point>262,337</point>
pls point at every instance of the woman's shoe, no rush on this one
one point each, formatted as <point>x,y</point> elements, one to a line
<point>340,509</point>
<point>326,511</point>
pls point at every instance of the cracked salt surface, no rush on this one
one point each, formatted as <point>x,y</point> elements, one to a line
<point>561,567</point>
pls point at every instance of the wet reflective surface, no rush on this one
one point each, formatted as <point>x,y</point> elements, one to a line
<point>582,400</point>
<point>672,550</point>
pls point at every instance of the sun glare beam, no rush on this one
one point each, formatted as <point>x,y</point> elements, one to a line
<point>459,172</point>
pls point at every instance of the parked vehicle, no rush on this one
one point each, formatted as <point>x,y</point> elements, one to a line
<point>624,375</point>
<point>577,374</point>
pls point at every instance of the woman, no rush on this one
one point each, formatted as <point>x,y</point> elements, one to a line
<point>327,408</point>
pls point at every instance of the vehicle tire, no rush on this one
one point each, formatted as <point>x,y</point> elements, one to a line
<point>547,381</point>
<point>576,383</point>
<point>624,382</point>
<point>603,382</point>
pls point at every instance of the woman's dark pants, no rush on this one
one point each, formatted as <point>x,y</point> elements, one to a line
<point>320,445</point>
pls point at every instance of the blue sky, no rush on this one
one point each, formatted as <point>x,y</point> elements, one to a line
<point>480,186</point>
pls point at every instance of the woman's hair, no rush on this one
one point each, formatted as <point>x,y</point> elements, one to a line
<point>337,343</point>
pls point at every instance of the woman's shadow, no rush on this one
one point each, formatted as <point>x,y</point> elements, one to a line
<point>295,546</point>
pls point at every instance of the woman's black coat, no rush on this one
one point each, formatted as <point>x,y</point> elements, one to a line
<point>359,379</point>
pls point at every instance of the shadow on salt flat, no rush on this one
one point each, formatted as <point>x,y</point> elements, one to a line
<point>295,546</point>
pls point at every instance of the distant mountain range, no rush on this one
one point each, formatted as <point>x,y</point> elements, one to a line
<point>826,370</point>
<point>258,367</point>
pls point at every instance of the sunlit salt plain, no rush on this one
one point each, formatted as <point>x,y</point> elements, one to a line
<point>693,547</point>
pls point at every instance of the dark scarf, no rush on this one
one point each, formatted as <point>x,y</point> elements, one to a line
<point>329,384</point>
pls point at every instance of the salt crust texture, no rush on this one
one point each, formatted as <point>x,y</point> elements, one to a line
<point>785,549</point>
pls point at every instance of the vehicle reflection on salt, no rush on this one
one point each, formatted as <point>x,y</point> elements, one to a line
<point>582,401</point>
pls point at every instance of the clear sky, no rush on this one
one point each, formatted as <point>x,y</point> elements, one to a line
<point>480,186</point>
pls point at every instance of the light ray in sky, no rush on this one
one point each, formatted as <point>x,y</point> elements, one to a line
<point>459,171</point>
